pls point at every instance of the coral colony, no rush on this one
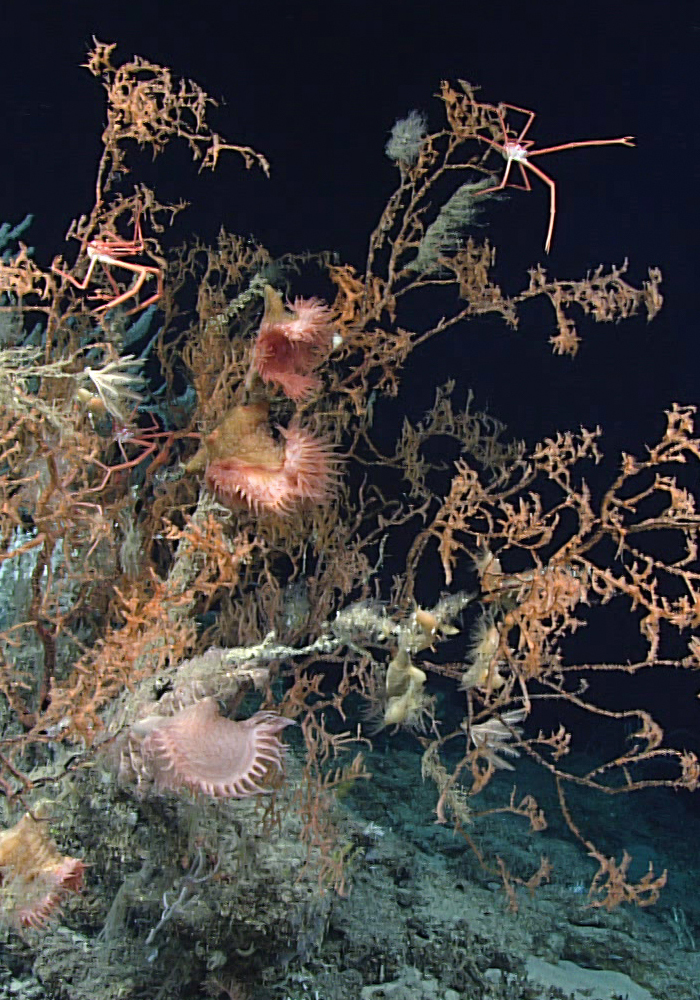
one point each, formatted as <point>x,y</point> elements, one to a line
<point>218,585</point>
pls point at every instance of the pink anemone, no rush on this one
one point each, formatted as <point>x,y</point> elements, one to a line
<point>292,342</point>
<point>199,749</point>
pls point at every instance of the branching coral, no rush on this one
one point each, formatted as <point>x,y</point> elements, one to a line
<point>201,577</point>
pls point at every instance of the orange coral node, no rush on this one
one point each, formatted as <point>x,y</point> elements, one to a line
<point>291,342</point>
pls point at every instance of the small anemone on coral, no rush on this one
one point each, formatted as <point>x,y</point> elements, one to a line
<point>245,466</point>
<point>291,343</point>
<point>35,878</point>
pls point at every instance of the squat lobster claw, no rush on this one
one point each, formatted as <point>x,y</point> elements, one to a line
<point>519,150</point>
<point>110,249</point>
<point>146,440</point>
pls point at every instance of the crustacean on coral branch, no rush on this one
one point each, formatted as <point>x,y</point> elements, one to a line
<point>111,250</point>
<point>520,150</point>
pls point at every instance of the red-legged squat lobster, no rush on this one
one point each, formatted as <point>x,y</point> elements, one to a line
<point>519,150</point>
